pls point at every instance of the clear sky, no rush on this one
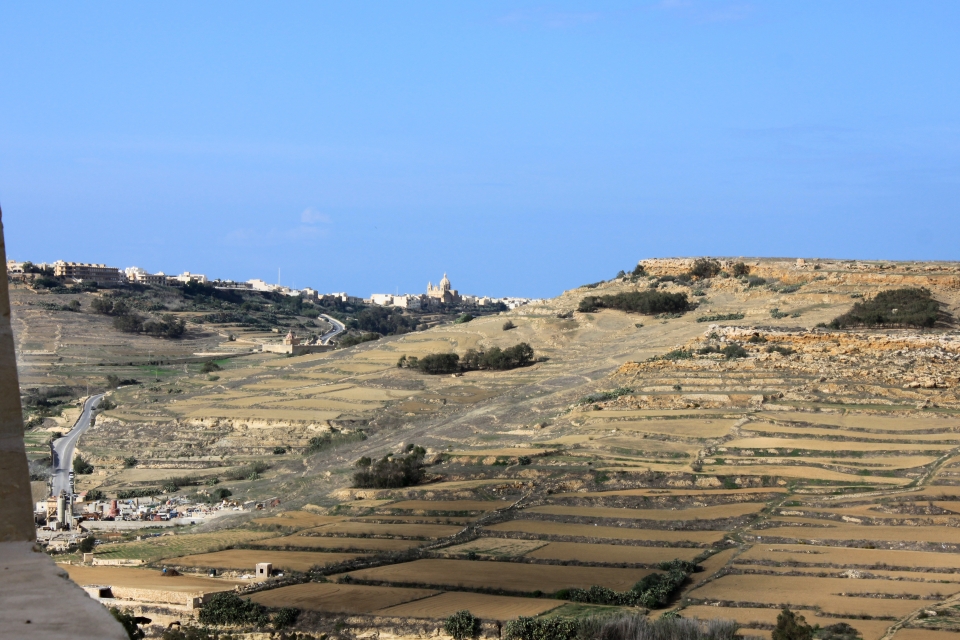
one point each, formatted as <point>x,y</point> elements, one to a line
<point>524,148</point>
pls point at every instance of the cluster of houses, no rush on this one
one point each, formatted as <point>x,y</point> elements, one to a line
<point>104,276</point>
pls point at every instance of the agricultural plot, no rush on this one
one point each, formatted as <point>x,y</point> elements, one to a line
<point>557,529</point>
<point>680,428</point>
<point>692,513</point>
<point>752,617</point>
<point>863,421</point>
<point>845,557</point>
<point>494,547</point>
<point>604,553</point>
<point>831,445</point>
<point>427,506</point>
<point>852,532</point>
<point>842,596</point>
<point>484,606</point>
<point>337,542</point>
<point>153,579</point>
<point>421,531</point>
<point>515,577</point>
<point>247,559</point>
<point>328,597</point>
<point>298,520</point>
<point>773,429</point>
<point>167,546</point>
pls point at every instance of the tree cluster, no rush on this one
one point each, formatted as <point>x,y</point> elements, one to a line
<point>898,307</point>
<point>126,320</point>
<point>645,302</point>
<point>229,608</point>
<point>494,358</point>
<point>391,472</point>
<point>653,591</point>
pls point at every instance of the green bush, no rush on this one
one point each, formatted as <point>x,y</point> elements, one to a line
<point>355,339</point>
<point>645,302</point>
<point>509,325</point>
<point>653,591</point>
<point>209,367</point>
<point>439,363</point>
<point>229,608</point>
<point>221,493</point>
<point>81,466</point>
<point>603,396</point>
<point>391,472</point>
<point>524,628</point>
<point>719,317</point>
<point>87,544</point>
<point>462,625</point>
<point>638,271</point>
<point>899,307</point>
<point>784,351</point>
<point>676,354</point>
<point>791,626</point>
<point>466,317</point>
<point>756,281</point>
<point>734,350</point>
<point>705,268</point>
<point>739,270</point>
<point>285,617</point>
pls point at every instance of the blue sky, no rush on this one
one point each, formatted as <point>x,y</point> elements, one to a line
<point>524,148</point>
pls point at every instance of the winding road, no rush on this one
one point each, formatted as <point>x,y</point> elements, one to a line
<point>63,447</point>
<point>338,328</point>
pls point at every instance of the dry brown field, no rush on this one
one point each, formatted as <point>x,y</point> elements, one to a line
<point>518,451</point>
<point>616,533</point>
<point>871,629</point>
<point>298,519</point>
<point>924,634</point>
<point>760,427</point>
<point>484,606</point>
<point>674,492</point>
<point>399,530</point>
<point>495,547</point>
<point>329,597</point>
<point>799,470</point>
<point>320,542</point>
<point>608,553</point>
<point>683,428</point>
<point>249,558</point>
<point>825,593</point>
<point>854,532</point>
<point>501,575</point>
<point>135,578</point>
<point>404,519</point>
<point>692,513</point>
<point>830,445</point>
<point>862,421</point>
<point>449,505</point>
<point>849,557</point>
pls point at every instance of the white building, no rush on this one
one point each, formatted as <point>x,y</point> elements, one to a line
<point>140,276</point>
<point>186,277</point>
<point>405,301</point>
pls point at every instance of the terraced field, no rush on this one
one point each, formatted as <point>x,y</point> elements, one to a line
<point>820,471</point>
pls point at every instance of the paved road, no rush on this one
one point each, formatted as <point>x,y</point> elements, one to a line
<point>338,328</point>
<point>63,447</point>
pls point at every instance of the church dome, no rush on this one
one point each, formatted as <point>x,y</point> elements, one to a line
<point>445,283</point>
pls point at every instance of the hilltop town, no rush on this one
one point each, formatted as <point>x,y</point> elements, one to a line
<point>702,438</point>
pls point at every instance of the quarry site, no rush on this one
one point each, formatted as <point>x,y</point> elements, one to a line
<point>758,447</point>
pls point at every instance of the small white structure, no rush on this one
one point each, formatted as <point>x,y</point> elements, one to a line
<point>263,570</point>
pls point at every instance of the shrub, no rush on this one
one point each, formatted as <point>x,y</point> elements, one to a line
<point>466,317</point>
<point>719,317</point>
<point>905,307</point>
<point>645,302</point>
<point>355,339</point>
<point>87,544</point>
<point>509,325</point>
<point>221,493</point>
<point>279,451</point>
<point>740,269</point>
<point>704,268</point>
<point>784,351</point>
<point>95,494</point>
<point>524,628</point>
<point>392,472</point>
<point>603,396</point>
<point>638,271</point>
<point>839,631</point>
<point>129,462</point>
<point>229,608</point>
<point>756,281</point>
<point>462,625</point>
<point>285,617</point>
<point>734,350</point>
<point>209,367</point>
<point>791,626</point>
<point>777,314</point>
<point>81,466</point>
<point>676,354</point>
